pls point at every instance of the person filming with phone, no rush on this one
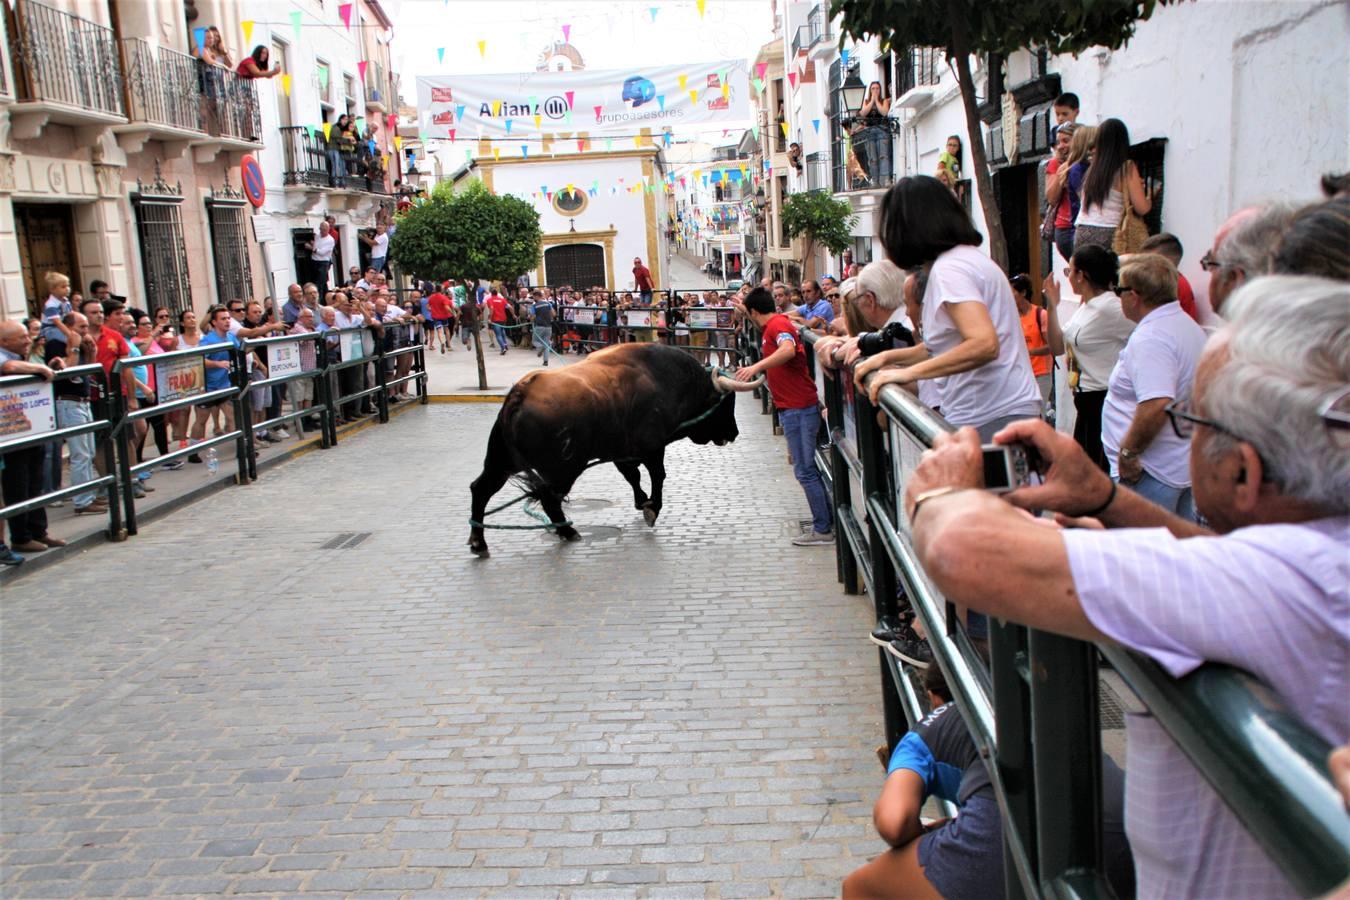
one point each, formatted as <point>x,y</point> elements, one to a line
<point>1263,588</point>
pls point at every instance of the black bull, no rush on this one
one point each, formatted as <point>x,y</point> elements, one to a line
<point>623,405</point>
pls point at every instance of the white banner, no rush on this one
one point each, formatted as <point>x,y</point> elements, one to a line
<point>588,102</point>
<point>283,359</point>
<point>26,410</point>
<point>702,318</point>
<point>180,378</point>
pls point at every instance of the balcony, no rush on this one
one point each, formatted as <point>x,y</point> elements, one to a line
<point>164,98</point>
<point>379,95</point>
<point>917,73</point>
<point>66,70</point>
<point>311,162</point>
<point>818,32</point>
<point>817,173</point>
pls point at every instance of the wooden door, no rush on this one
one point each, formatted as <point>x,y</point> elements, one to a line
<point>46,233</point>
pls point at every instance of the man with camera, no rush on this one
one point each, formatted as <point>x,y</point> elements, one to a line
<point>1265,591</point>
<point>877,293</point>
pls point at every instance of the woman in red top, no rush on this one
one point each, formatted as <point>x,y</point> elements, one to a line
<point>255,65</point>
<point>1040,330</point>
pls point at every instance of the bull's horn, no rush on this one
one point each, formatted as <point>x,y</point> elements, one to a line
<point>725,384</point>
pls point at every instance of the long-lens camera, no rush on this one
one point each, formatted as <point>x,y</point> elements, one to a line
<point>895,334</point>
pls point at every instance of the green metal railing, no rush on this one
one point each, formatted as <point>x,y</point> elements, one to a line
<point>1032,708</point>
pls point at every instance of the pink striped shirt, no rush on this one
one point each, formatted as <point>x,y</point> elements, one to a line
<point>1270,599</point>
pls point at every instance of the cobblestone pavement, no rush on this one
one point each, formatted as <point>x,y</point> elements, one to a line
<point>308,684</point>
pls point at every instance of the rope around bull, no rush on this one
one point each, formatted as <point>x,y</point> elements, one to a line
<point>547,523</point>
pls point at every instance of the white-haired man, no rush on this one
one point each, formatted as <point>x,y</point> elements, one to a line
<point>1265,591</point>
<point>878,295</point>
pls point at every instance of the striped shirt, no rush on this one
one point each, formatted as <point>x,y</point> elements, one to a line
<point>1270,599</point>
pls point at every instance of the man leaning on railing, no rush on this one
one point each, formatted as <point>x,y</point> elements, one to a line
<point>1265,591</point>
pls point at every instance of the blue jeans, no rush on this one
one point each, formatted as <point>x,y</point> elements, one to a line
<point>876,144</point>
<point>70,413</point>
<point>500,332</point>
<point>800,427</point>
<point>1173,499</point>
<point>377,263</point>
<point>543,339</point>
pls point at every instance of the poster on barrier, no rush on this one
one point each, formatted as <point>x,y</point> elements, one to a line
<point>702,318</point>
<point>26,410</point>
<point>726,318</point>
<point>640,318</point>
<point>283,359</point>
<point>179,378</point>
<point>583,316</point>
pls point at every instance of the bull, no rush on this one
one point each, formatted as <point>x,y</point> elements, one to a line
<point>623,405</point>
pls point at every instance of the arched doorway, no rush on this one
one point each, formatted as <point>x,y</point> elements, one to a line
<point>580,265</point>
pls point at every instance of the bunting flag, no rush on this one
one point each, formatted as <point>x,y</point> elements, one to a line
<point>784,126</point>
<point>598,111</point>
<point>792,79</point>
<point>247,26</point>
<point>815,123</point>
<point>537,120</point>
<point>702,7</point>
<point>199,36</point>
<point>843,58</point>
<point>482,49</point>
<point>323,78</point>
<point>525,150</point>
<point>361,69</point>
<point>567,33</point>
<point>440,55</point>
<point>391,120</point>
<point>327,130</point>
<point>726,91</point>
<point>468,156</point>
<point>570,95</point>
<point>452,134</point>
<point>609,144</point>
<point>637,140</point>
<point>683,79</point>
<point>661,101</point>
<point>693,95</point>
<point>760,69</point>
<point>496,108</point>
<point>295,22</point>
<point>754,129</point>
<point>345,13</point>
<point>286,85</point>
<point>459,112</point>
<point>496,153</point>
<point>398,142</point>
<point>508,126</point>
<point>653,10</point>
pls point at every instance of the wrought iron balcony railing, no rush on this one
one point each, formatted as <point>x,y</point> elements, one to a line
<point>818,25</point>
<point>310,160</point>
<point>61,58</point>
<point>231,104</point>
<point>917,67</point>
<point>163,86</point>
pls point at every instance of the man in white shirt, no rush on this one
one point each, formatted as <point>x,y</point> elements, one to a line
<point>1265,591</point>
<point>379,247</point>
<point>321,255</point>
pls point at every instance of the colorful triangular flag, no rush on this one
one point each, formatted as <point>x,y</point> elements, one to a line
<point>361,69</point>
<point>345,13</point>
<point>482,49</point>
<point>247,26</point>
<point>440,55</point>
<point>295,22</point>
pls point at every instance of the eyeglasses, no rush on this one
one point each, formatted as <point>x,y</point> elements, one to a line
<point>161,315</point>
<point>1210,264</point>
<point>235,309</point>
<point>1184,421</point>
<point>1120,289</point>
<point>833,295</point>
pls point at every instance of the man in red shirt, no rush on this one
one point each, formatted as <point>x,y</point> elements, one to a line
<point>442,312</point>
<point>783,362</point>
<point>106,321</point>
<point>1169,247</point>
<point>497,305</point>
<point>642,280</point>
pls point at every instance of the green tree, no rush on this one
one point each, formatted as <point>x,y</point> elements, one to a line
<point>820,219</point>
<point>964,27</point>
<point>471,233</point>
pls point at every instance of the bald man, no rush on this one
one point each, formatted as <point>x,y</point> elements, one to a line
<point>1244,247</point>
<point>22,475</point>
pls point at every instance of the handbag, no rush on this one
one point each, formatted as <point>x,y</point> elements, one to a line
<point>1131,232</point>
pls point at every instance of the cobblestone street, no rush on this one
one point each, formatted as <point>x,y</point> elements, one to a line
<point>308,684</point>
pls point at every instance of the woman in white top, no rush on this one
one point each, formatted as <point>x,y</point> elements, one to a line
<point>1093,338</point>
<point>1156,368</point>
<point>972,337</point>
<point>1110,175</point>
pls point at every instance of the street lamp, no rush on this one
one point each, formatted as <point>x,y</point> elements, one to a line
<point>853,92</point>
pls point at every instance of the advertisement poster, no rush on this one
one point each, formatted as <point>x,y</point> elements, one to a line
<point>641,318</point>
<point>26,410</point>
<point>583,316</point>
<point>595,102</point>
<point>283,359</point>
<point>351,346</point>
<point>702,318</point>
<point>725,317</point>
<point>179,378</point>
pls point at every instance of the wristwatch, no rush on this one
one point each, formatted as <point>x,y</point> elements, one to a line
<point>1127,453</point>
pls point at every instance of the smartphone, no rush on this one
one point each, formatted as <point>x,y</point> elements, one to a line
<point>1007,467</point>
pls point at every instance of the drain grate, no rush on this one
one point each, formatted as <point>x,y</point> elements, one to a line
<point>1110,712</point>
<point>345,540</point>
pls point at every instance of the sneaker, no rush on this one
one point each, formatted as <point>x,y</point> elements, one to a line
<point>91,509</point>
<point>813,538</point>
<point>138,491</point>
<point>280,433</point>
<point>912,649</point>
<point>172,466</point>
<point>57,504</point>
<point>545,360</point>
<point>50,541</point>
<point>888,630</point>
<point>145,486</point>
<point>194,458</point>
<point>8,557</point>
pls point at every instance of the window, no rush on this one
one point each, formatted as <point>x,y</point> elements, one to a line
<point>323,74</point>
<point>837,114</point>
<point>884,71</point>
<point>159,225</point>
<point>349,94</point>
<point>281,57</point>
<point>226,212</point>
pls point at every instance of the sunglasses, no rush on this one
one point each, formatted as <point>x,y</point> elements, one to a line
<point>833,295</point>
<point>1121,289</point>
<point>235,309</point>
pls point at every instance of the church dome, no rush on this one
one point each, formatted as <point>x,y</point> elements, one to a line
<point>560,56</point>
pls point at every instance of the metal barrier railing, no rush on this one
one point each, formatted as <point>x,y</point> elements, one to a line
<point>1032,708</point>
<point>28,404</point>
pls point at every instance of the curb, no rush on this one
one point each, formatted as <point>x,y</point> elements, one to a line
<point>201,492</point>
<point>465,398</point>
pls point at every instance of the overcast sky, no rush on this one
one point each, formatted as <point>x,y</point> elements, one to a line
<point>610,34</point>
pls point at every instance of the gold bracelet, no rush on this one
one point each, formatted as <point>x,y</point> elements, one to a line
<point>929,495</point>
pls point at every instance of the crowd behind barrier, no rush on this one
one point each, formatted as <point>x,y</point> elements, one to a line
<point>299,386</point>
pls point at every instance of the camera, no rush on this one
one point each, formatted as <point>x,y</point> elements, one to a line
<point>895,334</point>
<point>1008,467</point>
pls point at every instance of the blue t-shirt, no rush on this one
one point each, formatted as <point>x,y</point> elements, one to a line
<point>940,750</point>
<point>142,372</point>
<point>821,308</point>
<point>218,379</point>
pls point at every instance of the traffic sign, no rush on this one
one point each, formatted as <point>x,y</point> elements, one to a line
<point>250,173</point>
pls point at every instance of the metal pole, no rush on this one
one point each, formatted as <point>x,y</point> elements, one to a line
<point>243,417</point>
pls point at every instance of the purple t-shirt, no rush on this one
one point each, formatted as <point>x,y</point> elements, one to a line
<point>1271,599</point>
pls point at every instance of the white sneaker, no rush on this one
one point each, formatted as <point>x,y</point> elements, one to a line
<point>280,432</point>
<point>813,538</point>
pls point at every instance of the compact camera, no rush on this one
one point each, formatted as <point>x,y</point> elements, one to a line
<point>1008,467</point>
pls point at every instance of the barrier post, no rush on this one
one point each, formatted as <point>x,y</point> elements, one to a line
<point>122,466</point>
<point>107,410</point>
<point>323,394</point>
<point>245,454</point>
<point>420,364</point>
<point>846,564</point>
<point>381,377</point>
